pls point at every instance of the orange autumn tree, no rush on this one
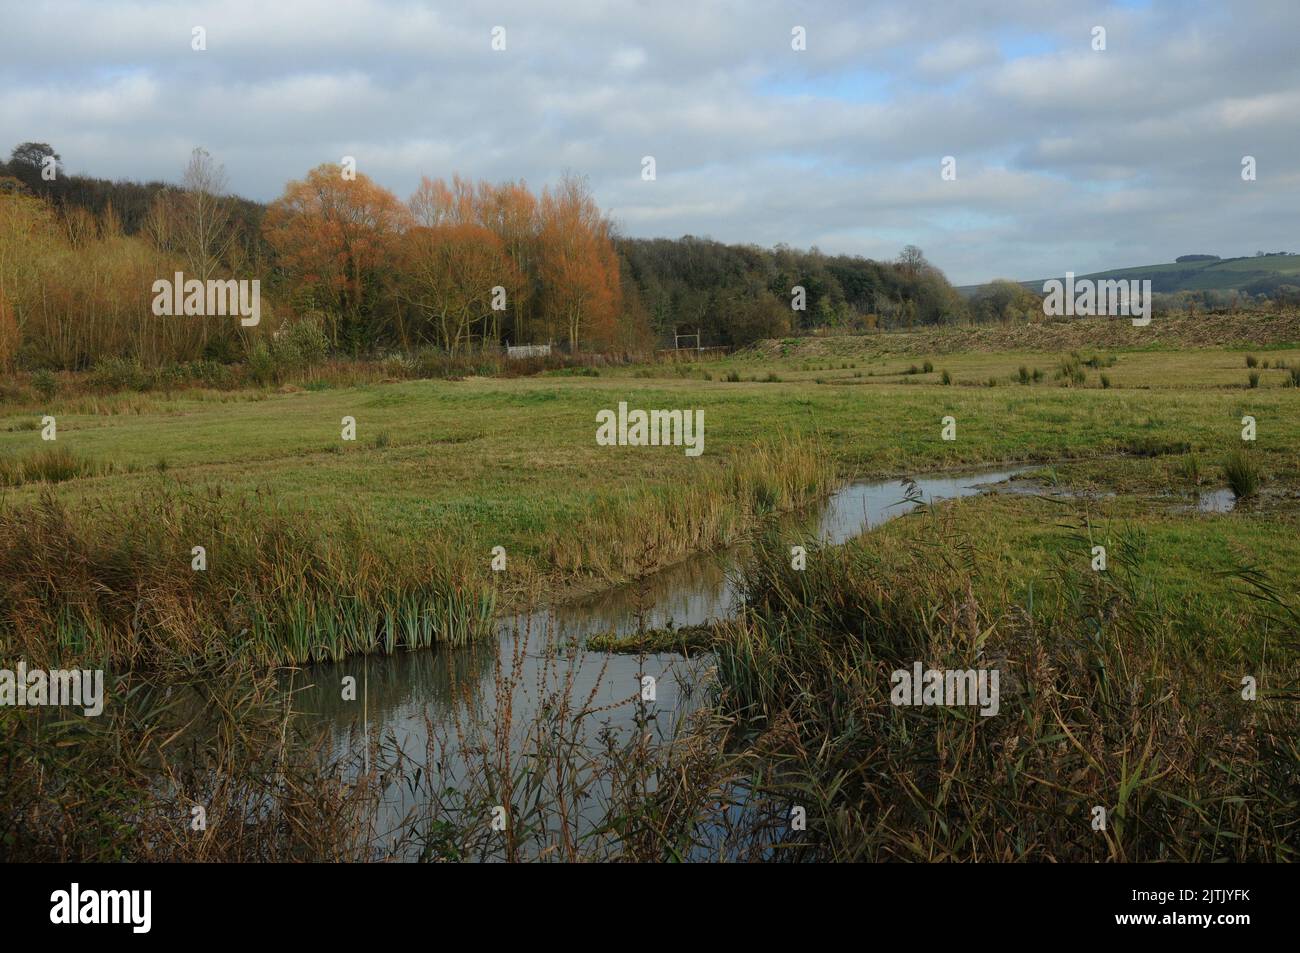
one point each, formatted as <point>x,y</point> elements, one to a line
<point>578,266</point>
<point>448,276</point>
<point>452,262</point>
<point>511,212</point>
<point>334,235</point>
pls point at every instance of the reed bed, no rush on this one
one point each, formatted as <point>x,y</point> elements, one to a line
<point>220,772</point>
<point>629,537</point>
<point>286,585</point>
<point>1104,703</point>
<point>119,585</point>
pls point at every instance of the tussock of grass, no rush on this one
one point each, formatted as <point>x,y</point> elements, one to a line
<point>1242,473</point>
<point>51,465</point>
<point>1151,446</point>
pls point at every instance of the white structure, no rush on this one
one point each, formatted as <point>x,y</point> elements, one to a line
<point>528,350</point>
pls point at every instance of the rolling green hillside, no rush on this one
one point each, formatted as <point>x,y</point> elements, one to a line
<point>1257,275</point>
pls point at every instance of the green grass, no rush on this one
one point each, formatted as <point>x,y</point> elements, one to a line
<point>1122,686</point>
<point>450,469</point>
<point>1242,473</point>
<point>1233,274</point>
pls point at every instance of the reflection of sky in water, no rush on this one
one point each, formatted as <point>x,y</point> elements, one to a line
<point>1216,501</point>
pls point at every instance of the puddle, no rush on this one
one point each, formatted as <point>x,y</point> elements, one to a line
<point>1216,501</point>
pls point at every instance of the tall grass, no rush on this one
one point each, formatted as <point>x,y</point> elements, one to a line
<point>1105,701</point>
<point>1242,473</point>
<point>119,584</point>
<point>124,786</point>
<point>631,536</point>
<point>51,465</point>
<point>287,585</point>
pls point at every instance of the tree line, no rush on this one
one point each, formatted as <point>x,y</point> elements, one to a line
<point>458,266</point>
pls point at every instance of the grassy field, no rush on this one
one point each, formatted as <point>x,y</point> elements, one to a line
<point>450,469</point>
<point>1123,684</point>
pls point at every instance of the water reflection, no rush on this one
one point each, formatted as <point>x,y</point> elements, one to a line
<point>418,702</point>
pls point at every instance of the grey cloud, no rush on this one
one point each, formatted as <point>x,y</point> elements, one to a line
<point>1067,159</point>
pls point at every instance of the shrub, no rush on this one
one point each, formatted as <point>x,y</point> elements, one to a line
<point>1251,360</point>
<point>45,383</point>
<point>928,367</point>
<point>1105,381</point>
<point>261,364</point>
<point>1070,371</point>
<point>1253,379</point>
<point>946,377</point>
<point>119,373</point>
<point>299,345</point>
<point>1023,375</point>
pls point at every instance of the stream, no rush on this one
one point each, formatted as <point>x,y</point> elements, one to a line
<point>416,700</point>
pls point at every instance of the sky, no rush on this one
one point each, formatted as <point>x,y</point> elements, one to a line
<point>1067,158</point>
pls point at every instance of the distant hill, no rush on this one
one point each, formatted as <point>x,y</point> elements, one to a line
<point>1254,274</point>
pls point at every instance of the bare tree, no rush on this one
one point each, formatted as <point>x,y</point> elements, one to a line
<point>204,231</point>
<point>912,260</point>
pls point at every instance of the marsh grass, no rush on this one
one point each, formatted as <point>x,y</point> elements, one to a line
<point>283,584</point>
<point>123,786</point>
<point>1103,702</point>
<point>1242,473</point>
<point>626,538</point>
<point>50,465</point>
<point>121,587</point>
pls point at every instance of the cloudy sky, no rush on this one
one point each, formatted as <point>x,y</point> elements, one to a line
<point>1066,157</point>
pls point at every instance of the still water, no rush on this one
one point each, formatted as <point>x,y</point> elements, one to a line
<point>412,700</point>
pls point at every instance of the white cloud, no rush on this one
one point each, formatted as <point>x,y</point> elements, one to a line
<point>1066,157</point>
